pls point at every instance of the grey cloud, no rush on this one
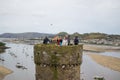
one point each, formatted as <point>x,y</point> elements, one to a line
<point>66,15</point>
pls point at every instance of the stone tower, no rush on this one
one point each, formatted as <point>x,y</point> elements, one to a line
<point>57,62</point>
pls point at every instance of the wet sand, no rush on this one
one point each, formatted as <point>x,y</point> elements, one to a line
<point>100,48</point>
<point>110,62</point>
<point>3,72</point>
<point>107,61</point>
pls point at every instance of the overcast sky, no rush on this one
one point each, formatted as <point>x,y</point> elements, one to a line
<point>53,16</point>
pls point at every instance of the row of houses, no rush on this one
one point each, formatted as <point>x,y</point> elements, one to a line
<point>102,41</point>
<point>110,41</point>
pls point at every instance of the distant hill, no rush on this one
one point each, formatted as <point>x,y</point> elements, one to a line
<point>84,36</point>
<point>25,35</point>
<point>100,36</point>
<point>62,34</point>
<point>91,36</point>
<point>95,36</point>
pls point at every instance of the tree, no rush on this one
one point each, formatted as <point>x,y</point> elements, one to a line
<point>62,34</point>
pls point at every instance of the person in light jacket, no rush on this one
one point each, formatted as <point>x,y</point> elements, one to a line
<point>65,41</point>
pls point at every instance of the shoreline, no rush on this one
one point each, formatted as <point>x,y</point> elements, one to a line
<point>4,72</point>
<point>106,61</point>
<point>100,48</point>
<point>2,48</point>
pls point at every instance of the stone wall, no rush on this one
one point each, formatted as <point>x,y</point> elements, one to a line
<point>57,62</point>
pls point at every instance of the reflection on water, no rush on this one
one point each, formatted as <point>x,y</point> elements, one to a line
<point>90,69</point>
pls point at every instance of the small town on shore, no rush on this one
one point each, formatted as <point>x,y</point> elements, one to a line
<point>88,38</point>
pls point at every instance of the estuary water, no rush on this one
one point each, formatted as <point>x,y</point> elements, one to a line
<point>90,68</point>
<point>19,54</point>
<point>23,54</point>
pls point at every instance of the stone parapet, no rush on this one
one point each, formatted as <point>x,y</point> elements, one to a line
<point>57,62</point>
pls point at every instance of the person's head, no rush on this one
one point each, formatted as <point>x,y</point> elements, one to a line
<point>45,36</point>
<point>76,36</point>
<point>65,38</point>
<point>68,35</point>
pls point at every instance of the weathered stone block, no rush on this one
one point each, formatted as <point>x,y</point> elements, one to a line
<point>57,62</point>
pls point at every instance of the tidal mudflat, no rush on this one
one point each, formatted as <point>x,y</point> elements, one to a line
<point>22,54</point>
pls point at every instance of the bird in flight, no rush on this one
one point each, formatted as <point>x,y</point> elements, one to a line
<point>51,24</point>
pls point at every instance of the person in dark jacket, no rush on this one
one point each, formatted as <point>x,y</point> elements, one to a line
<point>46,40</point>
<point>68,39</point>
<point>76,41</point>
